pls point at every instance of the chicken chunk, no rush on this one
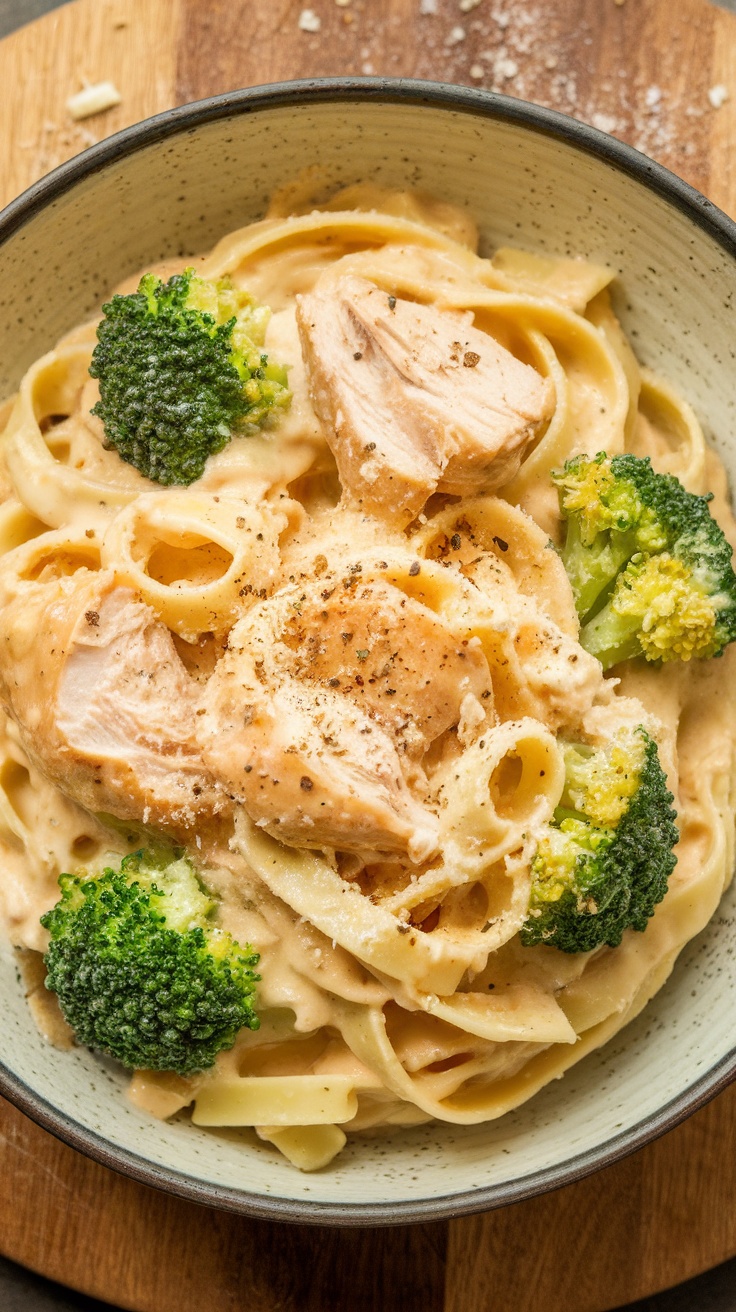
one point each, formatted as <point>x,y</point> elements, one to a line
<point>389,653</point>
<point>413,398</point>
<point>319,713</point>
<point>104,705</point>
<point>309,769</point>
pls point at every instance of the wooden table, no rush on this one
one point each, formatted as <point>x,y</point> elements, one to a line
<point>641,69</point>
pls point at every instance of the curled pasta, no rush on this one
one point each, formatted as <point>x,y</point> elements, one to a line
<point>194,559</point>
<point>57,493</point>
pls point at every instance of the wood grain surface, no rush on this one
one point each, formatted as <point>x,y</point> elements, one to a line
<point>641,69</point>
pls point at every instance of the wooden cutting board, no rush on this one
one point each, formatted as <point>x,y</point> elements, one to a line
<point>641,69</point>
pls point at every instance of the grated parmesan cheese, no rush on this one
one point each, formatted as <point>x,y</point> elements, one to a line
<point>718,95</point>
<point>309,21</point>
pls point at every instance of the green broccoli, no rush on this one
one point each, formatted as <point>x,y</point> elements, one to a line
<point>140,972</point>
<point>649,566</point>
<point>181,371</point>
<point>603,864</point>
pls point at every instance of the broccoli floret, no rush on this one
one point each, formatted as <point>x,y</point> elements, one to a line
<point>603,864</point>
<point>649,566</point>
<point>181,371</point>
<point>139,970</point>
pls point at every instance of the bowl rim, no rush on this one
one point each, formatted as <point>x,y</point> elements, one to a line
<point>705,215</point>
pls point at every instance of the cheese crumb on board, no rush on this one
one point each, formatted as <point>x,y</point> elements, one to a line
<point>93,100</point>
<point>309,21</point>
<point>718,95</point>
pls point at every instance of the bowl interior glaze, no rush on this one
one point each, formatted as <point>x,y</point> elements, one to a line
<point>529,177</point>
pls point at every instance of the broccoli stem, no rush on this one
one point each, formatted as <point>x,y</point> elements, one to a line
<point>593,569</point>
<point>611,637</point>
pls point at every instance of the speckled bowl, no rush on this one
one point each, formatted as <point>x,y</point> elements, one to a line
<point>172,185</point>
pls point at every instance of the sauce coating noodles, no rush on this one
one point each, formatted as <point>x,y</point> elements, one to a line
<point>410,675</point>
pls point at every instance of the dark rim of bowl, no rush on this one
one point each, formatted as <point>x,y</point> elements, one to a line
<point>702,212</point>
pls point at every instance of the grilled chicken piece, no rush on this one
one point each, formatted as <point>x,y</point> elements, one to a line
<point>104,705</point>
<point>414,399</point>
<point>311,770</point>
<point>390,654</point>
<point>316,717</point>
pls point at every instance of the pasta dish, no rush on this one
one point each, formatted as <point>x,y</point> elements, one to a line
<point>370,649</point>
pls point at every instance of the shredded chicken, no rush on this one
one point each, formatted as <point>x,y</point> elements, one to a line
<point>413,398</point>
<point>103,703</point>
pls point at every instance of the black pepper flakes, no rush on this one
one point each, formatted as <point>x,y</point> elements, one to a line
<point>306,783</point>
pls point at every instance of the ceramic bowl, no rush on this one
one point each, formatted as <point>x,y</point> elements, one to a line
<point>531,177</point>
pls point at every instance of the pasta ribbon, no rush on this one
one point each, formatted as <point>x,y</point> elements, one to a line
<point>309,1147</point>
<point>55,492</point>
<point>275,1100</point>
<point>498,793</point>
<point>196,560</point>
